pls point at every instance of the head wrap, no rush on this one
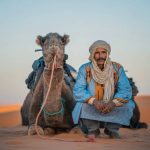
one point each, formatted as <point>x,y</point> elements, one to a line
<point>100,44</point>
<point>106,76</point>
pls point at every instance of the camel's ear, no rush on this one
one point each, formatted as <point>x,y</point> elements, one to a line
<point>40,40</point>
<point>65,39</point>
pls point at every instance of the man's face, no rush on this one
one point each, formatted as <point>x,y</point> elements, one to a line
<point>100,56</point>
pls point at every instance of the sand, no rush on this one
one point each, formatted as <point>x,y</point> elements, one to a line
<point>13,136</point>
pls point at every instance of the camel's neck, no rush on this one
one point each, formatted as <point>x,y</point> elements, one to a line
<point>54,96</point>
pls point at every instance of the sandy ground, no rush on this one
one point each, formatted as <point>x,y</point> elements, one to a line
<point>13,136</point>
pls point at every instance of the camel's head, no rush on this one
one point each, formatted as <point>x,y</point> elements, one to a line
<point>53,44</point>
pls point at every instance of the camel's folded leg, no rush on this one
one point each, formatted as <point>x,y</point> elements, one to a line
<point>35,105</point>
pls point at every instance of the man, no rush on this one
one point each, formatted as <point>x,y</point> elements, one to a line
<point>103,94</point>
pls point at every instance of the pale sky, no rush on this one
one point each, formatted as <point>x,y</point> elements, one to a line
<point>124,24</point>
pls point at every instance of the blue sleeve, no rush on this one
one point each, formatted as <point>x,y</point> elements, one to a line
<point>80,92</point>
<point>123,88</point>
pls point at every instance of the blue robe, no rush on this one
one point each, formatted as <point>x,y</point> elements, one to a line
<point>83,91</point>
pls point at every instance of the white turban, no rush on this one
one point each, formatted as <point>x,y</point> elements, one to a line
<point>100,44</point>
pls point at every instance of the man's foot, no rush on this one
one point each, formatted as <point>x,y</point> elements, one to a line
<point>91,138</point>
<point>93,135</point>
<point>112,135</point>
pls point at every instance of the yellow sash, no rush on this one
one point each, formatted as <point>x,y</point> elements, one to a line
<point>99,89</point>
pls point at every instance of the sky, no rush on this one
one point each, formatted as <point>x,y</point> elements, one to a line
<point>124,24</point>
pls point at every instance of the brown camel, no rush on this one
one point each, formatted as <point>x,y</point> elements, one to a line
<point>57,111</point>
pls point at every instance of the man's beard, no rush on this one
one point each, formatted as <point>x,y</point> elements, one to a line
<point>101,66</point>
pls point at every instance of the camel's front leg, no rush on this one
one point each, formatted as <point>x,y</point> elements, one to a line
<point>34,109</point>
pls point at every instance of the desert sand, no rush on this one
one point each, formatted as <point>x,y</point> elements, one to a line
<point>13,136</point>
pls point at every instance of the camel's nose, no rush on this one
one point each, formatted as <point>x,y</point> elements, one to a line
<point>54,45</point>
<point>54,50</point>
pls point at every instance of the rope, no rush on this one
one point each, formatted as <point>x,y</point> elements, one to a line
<point>61,111</point>
<point>45,100</point>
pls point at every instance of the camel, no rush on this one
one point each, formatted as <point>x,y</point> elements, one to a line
<point>57,111</point>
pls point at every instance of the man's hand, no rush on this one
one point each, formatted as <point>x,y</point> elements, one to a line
<point>100,105</point>
<point>109,107</point>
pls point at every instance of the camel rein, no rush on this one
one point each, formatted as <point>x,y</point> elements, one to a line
<point>42,107</point>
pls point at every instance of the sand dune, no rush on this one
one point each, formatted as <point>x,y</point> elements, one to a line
<point>10,115</point>
<point>10,119</point>
<point>13,136</point>
<point>144,105</point>
<point>10,108</point>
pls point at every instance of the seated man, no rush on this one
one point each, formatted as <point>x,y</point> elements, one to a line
<point>102,93</point>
